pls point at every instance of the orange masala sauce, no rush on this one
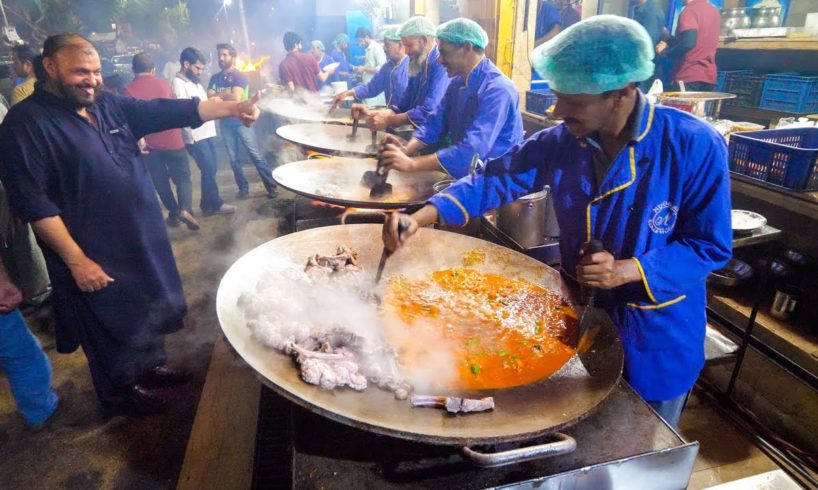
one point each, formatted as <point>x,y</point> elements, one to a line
<point>503,332</point>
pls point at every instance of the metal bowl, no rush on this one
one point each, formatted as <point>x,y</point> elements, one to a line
<point>702,104</point>
<point>732,274</point>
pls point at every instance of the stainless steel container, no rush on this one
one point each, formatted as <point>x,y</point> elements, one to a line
<point>524,220</point>
<point>784,303</point>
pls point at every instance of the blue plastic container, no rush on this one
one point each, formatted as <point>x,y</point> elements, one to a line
<point>538,101</point>
<point>790,93</point>
<point>782,157</point>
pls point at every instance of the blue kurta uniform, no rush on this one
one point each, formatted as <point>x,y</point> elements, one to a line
<point>338,56</point>
<point>664,202</point>
<point>56,163</point>
<point>481,115</point>
<point>391,79</point>
<point>424,91</point>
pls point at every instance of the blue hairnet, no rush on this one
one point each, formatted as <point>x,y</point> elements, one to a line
<point>341,38</point>
<point>598,54</point>
<point>391,34</point>
<point>463,30</point>
<point>318,44</point>
<point>417,26</point>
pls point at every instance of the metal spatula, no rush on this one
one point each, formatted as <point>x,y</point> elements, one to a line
<point>354,130</point>
<point>403,225</point>
<point>584,330</point>
<point>372,148</point>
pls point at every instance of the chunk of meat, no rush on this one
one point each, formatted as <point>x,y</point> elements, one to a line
<point>453,404</point>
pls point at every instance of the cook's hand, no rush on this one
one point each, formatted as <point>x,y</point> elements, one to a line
<point>89,276</point>
<point>358,69</point>
<point>360,111</point>
<point>391,139</point>
<point>336,101</point>
<point>393,157</point>
<point>248,113</point>
<point>143,146</point>
<point>397,229</point>
<point>10,296</point>
<point>661,46</point>
<point>379,120</point>
<point>601,270</point>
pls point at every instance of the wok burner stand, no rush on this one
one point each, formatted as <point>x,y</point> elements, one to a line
<point>307,214</point>
<point>623,444</point>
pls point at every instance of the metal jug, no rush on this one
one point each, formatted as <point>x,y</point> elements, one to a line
<point>529,219</point>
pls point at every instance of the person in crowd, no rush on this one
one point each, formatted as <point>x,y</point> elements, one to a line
<point>391,79</point>
<point>480,113</point>
<point>339,55</point>
<point>427,80</point>
<point>693,49</point>
<point>374,59</point>
<point>650,16</point>
<point>299,70</point>
<point>318,52</point>
<point>232,85</point>
<point>200,142</point>
<point>568,14</point>
<point>6,84</point>
<point>648,182</point>
<point>72,168</point>
<point>22,359</point>
<point>164,153</point>
<point>22,56</point>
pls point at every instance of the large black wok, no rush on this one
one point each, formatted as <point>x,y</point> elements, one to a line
<point>338,181</point>
<point>521,413</point>
<point>302,112</point>
<point>331,138</point>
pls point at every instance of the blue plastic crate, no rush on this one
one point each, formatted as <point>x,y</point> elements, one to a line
<point>783,157</point>
<point>790,93</point>
<point>721,77</point>
<point>538,101</point>
<point>747,86</point>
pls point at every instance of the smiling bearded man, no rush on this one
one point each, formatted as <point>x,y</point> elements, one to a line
<point>72,168</point>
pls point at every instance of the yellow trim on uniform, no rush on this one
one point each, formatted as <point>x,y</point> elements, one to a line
<point>457,203</point>
<point>659,306</point>
<point>413,123</point>
<point>437,159</point>
<point>615,189</point>
<point>644,279</point>
<point>647,126</point>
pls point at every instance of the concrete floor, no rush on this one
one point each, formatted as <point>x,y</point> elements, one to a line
<point>79,448</point>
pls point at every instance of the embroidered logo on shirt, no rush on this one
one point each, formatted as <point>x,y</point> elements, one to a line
<point>663,218</point>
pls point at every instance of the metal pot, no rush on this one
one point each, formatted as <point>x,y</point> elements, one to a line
<point>702,104</point>
<point>524,220</point>
<point>766,17</point>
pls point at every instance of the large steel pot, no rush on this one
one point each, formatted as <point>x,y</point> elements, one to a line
<point>334,139</point>
<point>521,413</point>
<point>524,219</point>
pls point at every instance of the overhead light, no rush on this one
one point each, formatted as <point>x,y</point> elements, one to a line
<point>227,3</point>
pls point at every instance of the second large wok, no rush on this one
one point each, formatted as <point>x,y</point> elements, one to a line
<point>338,181</point>
<point>331,138</point>
<point>521,413</point>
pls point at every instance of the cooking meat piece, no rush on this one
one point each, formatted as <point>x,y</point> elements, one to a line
<point>328,370</point>
<point>453,404</point>
<point>344,261</point>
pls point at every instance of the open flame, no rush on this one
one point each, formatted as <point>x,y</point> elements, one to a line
<point>250,65</point>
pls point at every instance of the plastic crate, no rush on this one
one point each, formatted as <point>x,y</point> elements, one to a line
<point>783,157</point>
<point>790,93</point>
<point>538,101</point>
<point>721,76</point>
<point>746,85</point>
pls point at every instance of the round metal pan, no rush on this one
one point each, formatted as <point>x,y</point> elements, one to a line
<point>311,178</point>
<point>297,112</point>
<point>520,413</point>
<point>331,138</point>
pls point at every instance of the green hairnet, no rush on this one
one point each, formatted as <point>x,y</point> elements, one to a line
<point>598,54</point>
<point>417,26</point>
<point>341,38</point>
<point>463,30</point>
<point>318,44</point>
<point>391,34</point>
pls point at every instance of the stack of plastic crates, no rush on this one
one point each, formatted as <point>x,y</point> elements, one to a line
<point>747,85</point>
<point>538,101</point>
<point>721,77</point>
<point>789,92</point>
<point>782,157</point>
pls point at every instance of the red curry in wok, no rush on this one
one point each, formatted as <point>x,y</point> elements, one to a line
<point>504,332</point>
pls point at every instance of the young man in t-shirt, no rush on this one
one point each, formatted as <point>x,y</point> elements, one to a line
<point>299,69</point>
<point>693,49</point>
<point>231,84</point>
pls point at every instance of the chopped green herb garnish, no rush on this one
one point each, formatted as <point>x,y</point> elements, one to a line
<point>475,369</point>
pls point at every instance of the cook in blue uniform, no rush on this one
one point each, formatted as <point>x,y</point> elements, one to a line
<point>650,182</point>
<point>390,80</point>
<point>479,115</point>
<point>72,168</point>
<point>427,80</point>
